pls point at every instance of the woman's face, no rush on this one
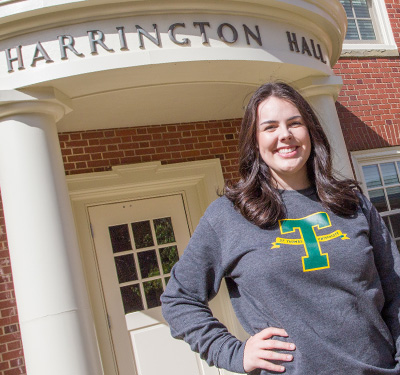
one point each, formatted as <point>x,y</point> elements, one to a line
<point>283,142</point>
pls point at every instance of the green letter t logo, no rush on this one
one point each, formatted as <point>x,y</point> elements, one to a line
<point>315,259</point>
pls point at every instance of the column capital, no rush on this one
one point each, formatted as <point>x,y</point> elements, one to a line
<point>44,100</point>
<point>315,86</point>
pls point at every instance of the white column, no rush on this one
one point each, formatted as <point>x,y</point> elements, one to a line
<point>55,320</point>
<point>321,93</point>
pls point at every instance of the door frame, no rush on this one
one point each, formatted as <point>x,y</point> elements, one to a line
<point>197,181</point>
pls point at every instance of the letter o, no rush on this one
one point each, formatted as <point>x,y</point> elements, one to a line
<point>221,35</point>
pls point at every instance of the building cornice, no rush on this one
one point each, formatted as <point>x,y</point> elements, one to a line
<point>325,18</point>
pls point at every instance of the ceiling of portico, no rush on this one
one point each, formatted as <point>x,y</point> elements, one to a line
<point>145,95</point>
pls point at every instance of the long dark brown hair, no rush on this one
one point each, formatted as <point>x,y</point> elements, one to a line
<point>256,195</point>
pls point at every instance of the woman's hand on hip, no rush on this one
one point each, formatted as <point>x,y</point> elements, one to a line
<point>260,349</point>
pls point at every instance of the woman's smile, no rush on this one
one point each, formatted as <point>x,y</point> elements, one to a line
<point>287,152</point>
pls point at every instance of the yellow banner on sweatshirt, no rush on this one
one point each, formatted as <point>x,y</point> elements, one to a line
<point>299,241</point>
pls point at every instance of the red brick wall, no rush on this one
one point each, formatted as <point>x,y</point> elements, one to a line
<point>392,7</point>
<point>99,150</point>
<point>369,103</point>
<point>11,353</point>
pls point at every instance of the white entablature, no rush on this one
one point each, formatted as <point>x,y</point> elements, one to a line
<point>200,59</point>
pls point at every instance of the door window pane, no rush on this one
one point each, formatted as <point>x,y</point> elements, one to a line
<point>126,268</point>
<point>120,239</point>
<point>142,234</point>
<point>153,290</point>
<point>164,231</point>
<point>169,256</point>
<point>131,298</point>
<point>148,264</point>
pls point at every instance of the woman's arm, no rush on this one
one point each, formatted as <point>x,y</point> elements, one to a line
<point>196,279</point>
<point>387,261</point>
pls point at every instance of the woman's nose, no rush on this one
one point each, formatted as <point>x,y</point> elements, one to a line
<point>284,133</point>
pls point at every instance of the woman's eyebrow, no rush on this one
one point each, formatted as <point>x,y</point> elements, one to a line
<point>268,122</point>
<point>275,121</point>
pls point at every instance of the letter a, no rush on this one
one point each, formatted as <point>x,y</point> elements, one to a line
<point>314,259</point>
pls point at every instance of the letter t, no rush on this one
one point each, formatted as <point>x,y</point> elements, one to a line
<point>314,259</point>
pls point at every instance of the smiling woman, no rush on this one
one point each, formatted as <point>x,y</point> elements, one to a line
<point>288,197</point>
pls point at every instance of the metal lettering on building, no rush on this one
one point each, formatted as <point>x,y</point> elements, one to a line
<point>18,59</point>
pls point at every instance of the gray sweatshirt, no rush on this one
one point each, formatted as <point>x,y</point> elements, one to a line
<point>332,282</point>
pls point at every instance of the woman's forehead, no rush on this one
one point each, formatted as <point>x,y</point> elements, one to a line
<point>277,108</point>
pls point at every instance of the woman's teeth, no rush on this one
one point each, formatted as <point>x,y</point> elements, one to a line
<point>286,150</point>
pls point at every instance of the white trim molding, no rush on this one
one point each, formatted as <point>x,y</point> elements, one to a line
<point>372,156</point>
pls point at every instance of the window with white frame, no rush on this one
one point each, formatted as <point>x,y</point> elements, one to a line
<point>369,31</point>
<point>359,21</point>
<point>379,173</point>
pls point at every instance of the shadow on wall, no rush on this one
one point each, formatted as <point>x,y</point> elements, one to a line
<point>357,134</point>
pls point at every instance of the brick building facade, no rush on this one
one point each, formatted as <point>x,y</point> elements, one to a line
<point>368,107</point>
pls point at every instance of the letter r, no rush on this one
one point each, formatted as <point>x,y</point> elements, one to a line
<point>314,259</point>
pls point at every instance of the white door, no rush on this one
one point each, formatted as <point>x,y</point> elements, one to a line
<point>137,242</point>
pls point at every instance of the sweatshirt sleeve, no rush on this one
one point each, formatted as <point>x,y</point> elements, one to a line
<point>387,260</point>
<point>195,279</point>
